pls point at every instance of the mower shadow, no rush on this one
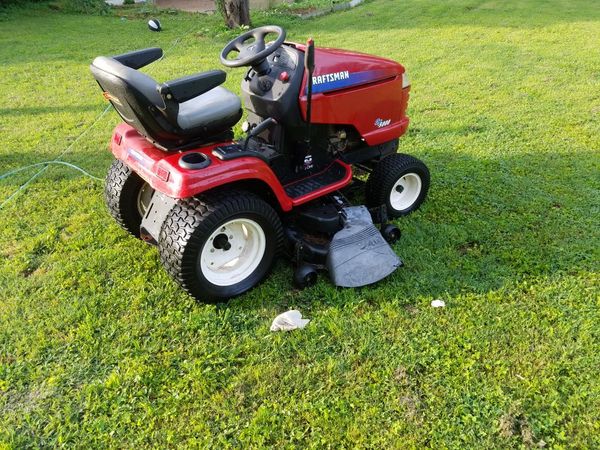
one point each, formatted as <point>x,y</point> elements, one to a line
<point>487,224</point>
<point>489,221</point>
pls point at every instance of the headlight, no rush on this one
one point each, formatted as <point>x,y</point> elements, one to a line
<point>405,80</point>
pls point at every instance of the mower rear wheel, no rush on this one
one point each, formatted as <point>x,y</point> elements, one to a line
<point>220,245</point>
<point>400,182</point>
<point>127,196</point>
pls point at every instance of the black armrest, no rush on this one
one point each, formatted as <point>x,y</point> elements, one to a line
<point>183,89</point>
<point>139,58</point>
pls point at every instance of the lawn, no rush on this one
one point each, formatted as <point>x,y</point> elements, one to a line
<point>99,348</point>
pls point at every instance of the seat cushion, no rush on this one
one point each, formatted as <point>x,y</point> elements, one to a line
<point>215,108</point>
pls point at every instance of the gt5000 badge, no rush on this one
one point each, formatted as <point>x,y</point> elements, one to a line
<point>380,123</point>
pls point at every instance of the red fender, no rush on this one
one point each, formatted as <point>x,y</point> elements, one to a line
<point>161,169</point>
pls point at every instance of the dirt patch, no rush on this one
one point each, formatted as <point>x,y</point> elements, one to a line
<point>411,405</point>
<point>401,376</point>
<point>410,401</point>
<point>465,248</point>
<point>411,310</point>
<point>517,425</point>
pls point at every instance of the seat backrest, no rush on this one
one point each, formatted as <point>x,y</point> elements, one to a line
<point>136,98</point>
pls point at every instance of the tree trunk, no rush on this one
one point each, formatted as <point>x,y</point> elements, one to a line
<point>236,13</point>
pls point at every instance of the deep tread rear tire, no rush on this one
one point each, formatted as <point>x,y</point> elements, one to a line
<point>121,193</point>
<point>385,176</point>
<point>190,224</point>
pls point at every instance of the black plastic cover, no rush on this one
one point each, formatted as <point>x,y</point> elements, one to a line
<point>323,218</point>
<point>140,58</point>
<point>186,88</point>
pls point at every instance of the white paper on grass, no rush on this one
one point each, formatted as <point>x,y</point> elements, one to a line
<point>438,303</point>
<point>289,320</point>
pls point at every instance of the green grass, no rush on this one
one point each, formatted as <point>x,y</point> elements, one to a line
<point>99,348</point>
<point>303,6</point>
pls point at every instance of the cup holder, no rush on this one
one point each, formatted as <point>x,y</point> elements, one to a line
<point>194,161</point>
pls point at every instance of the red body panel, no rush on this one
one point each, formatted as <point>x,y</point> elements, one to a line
<point>349,88</point>
<point>161,169</point>
<point>360,90</point>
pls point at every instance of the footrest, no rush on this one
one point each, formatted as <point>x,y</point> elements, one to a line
<point>332,176</point>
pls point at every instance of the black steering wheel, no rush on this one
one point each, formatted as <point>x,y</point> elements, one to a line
<point>254,53</point>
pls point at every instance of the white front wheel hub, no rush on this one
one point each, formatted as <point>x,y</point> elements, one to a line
<point>233,252</point>
<point>406,191</point>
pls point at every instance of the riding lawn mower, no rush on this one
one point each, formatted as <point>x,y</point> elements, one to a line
<point>220,210</point>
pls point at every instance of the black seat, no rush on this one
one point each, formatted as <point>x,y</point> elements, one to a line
<point>172,115</point>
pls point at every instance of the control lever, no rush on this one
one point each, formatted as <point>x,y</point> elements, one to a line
<point>309,66</point>
<point>264,125</point>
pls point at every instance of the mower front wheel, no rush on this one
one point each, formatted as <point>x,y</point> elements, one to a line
<point>391,233</point>
<point>127,196</point>
<point>305,276</point>
<point>220,245</point>
<point>400,182</point>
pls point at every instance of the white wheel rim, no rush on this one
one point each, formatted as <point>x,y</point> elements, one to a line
<point>406,191</point>
<point>247,248</point>
<point>144,198</point>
